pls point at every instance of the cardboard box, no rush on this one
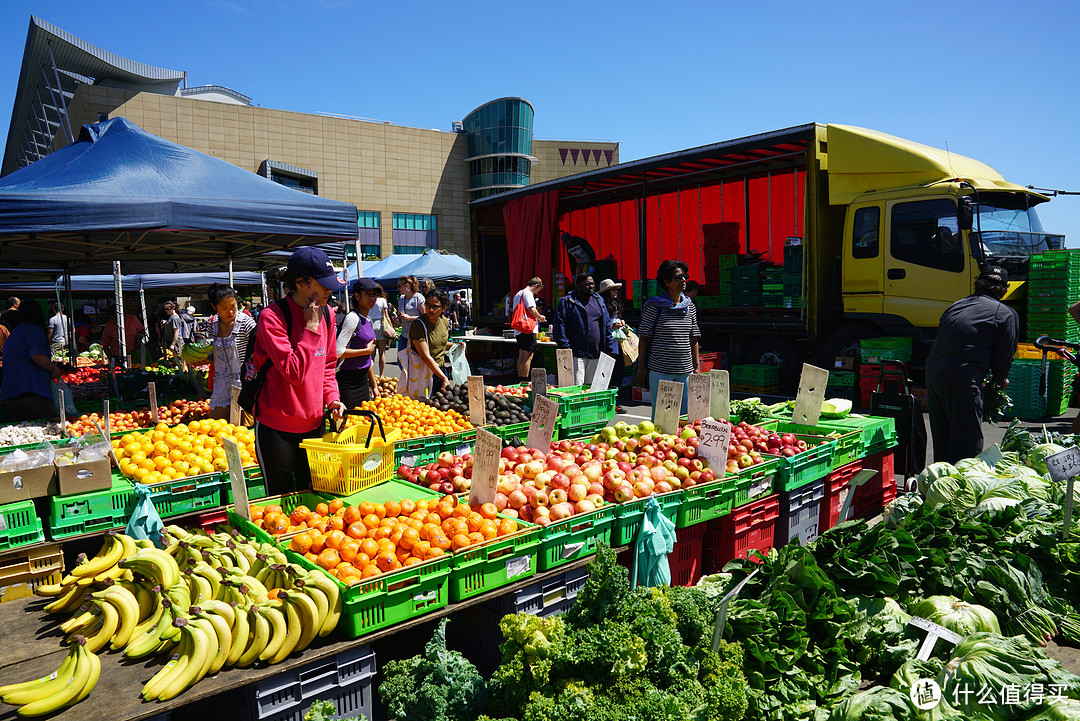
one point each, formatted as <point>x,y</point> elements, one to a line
<point>84,477</point>
<point>844,363</point>
<point>24,485</point>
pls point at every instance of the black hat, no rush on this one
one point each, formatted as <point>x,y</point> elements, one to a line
<point>311,262</point>
<point>361,284</point>
<point>997,270</point>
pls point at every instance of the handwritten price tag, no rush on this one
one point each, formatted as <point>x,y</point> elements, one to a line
<point>542,424</point>
<point>485,475</point>
<point>811,395</point>
<point>668,405</point>
<point>152,388</point>
<point>715,438</point>
<point>602,374</point>
<point>477,409</point>
<point>538,376</point>
<point>719,394</point>
<point>698,400</point>
<point>236,478</point>
<point>564,362</point>
<point>1065,464</point>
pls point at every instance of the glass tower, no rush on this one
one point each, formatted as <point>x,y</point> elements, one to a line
<point>500,137</point>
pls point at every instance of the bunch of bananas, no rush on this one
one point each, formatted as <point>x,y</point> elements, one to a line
<point>208,600</point>
<point>70,683</point>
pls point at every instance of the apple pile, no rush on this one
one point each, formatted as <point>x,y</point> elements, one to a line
<point>749,442</point>
<point>517,391</point>
<point>449,474</point>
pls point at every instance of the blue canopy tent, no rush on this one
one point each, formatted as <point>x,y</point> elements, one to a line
<point>446,269</point>
<point>121,194</point>
<point>107,283</point>
<point>384,270</point>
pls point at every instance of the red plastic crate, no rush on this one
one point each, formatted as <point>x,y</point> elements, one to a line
<point>711,361</point>
<point>837,485</point>
<point>684,561</point>
<point>748,528</point>
<point>872,496</point>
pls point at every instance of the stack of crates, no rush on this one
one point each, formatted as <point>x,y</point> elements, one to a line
<point>643,290</point>
<point>868,382</point>
<point>1026,390</point>
<point>772,287</point>
<point>723,289</point>
<point>1053,286</point>
<point>755,378</point>
<point>875,350</point>
<point>792,278</point>
<point>841,385</point>
<point>720,249</point>
<point>746,284</point>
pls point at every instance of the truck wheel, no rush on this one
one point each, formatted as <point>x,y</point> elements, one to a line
<point>780,353</point>
<point>844,342</point>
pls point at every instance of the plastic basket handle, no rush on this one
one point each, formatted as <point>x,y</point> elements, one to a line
<point>371,426</point>
<point>894,371</point>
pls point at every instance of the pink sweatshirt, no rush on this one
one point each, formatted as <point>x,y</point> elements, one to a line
<point>300,383</point>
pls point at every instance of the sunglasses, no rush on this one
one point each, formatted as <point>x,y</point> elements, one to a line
<point>680,276</point>
<point>435,306</point>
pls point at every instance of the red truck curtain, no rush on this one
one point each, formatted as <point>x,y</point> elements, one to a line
<point>530,231</point>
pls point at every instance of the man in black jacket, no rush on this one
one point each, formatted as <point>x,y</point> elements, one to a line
<point>976,335</point>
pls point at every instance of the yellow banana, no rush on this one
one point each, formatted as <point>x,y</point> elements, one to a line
<point>333,595</point>
<point>92,679</point>
<point>260,637</point>
<point>310,623</point>
<point>199,658</point>
<point>295,625</point>
<point>241,635</point>
<point>322,602</point>
<point>110,622</point>
<point>155,564</point>
<point>175,665</point>
<point>65,603</point>
<point>81,620</point>
<point>86,668</point>
<point>127,608</point>
<point>56,589</point>
<point>200,588</point>
<point>18,694</point>
<point>147,635</point>
<point>223,642</point>
<point>279,631</point>
<point>111,552</point>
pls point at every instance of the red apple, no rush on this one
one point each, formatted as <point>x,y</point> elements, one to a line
<point>556,496</point>
<point>624,493</point>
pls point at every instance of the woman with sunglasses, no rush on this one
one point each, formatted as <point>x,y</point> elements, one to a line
<point>669,333</point>
<point>356,343</point>
<point>430,336</point>
<point>409,303</point>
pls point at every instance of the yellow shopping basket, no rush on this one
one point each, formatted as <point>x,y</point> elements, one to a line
<point>342,463</point>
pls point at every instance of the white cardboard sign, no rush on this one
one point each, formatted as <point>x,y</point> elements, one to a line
<point>715,438</point>
<point>477,408</point>
<point>236,478</point>
<point>545,412</point>
<point>1065,464</point>
<point>667,407</point>
<point>564,362</point>
<point>811,395</point>
<point>234,406</point>
<point>485,472</point>
<point>699,397</point>
<point>538,376</point>
<point>602,374</point>
<point>719,394</point>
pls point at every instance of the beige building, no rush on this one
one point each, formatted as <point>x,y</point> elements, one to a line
<point>412,186</point>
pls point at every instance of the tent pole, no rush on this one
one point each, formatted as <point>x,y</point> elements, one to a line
<point>265,291</point>
<point>119,291</point>
<point>345,267</point>
<point>359,259</point>
<point>230,272</point>
<point>145,322</point>
<point>74,349</point>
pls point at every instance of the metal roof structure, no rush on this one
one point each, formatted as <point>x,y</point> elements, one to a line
<point>55,63</point>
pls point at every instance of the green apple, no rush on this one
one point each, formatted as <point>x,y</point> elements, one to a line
<point>688,432</point>
<point>646,427</point>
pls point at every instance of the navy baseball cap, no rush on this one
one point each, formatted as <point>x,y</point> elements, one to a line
<point>364,284</point>
<point>313,263</point>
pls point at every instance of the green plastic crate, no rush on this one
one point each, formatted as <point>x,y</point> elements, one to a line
<point>877,433</point>
<point>20,525</point>
<point>184,495</point>
<point>579,406</point>
<point>849,444</point>
<point>630,516</point>
<point>521,430</point>
<point>808,466</point>
<point>705,501</point>
<point>499,562</point>
<point>582,432</point>
<point>756,482</point>
<point>460,443</point>
<point>746,272</point>
<point>91,512</point>
<point>755,374</point>
<point>575,537</point>
<point>253,478</point>
<point>414,452</point>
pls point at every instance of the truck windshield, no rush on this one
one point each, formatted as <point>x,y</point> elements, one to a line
<point>1010,228</point>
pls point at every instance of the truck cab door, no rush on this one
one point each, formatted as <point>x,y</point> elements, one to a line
<point>863,289</point>
<point>927,266</point>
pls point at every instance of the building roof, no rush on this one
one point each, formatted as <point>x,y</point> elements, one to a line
<point>76,61</point>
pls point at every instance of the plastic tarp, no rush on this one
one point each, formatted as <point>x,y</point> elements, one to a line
<point>119,192</point>
<point>387,268</point>
<point>105,283</point>
<point>432,264</point>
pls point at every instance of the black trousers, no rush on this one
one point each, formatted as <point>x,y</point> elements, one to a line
<point>283,462</point>
<point>956,417</point>
<point>354,386</point>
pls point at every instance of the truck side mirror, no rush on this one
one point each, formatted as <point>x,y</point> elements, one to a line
<point>965,213</point>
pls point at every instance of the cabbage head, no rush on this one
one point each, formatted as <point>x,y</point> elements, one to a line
<point>967,465</point>
<point>994,504</point>
<point>912,671</point>
<point>1037,456</point>
<point>956,615</point>
<point>1065,710</point>
<point>933,472</point>
<point>880,703</point>
<point>942,491</point>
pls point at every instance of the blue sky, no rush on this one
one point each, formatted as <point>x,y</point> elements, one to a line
<point>993,80</point>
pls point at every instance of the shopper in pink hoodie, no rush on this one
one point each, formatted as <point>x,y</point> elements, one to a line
<point>300,384</point>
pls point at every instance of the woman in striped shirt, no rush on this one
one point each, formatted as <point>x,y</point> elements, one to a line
<point>668,345</point>
<point>229,333</point>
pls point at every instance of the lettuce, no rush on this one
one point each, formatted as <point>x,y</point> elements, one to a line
<point>1037,457</point>
<point>956,615</point>
<point>880,703</point>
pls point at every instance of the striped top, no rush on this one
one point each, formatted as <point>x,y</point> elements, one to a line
<point>669,329</point>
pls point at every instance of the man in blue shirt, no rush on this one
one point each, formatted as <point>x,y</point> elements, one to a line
<point>583,325</point>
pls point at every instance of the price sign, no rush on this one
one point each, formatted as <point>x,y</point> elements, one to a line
<point>477,408</point>
<point>721,613</point>
<point>698,402</point>
<point>234,406</point>
<point>564,362</point>
<point>719,394</point>
<point>63,415</point>
<point>991,455</point>
<point>811,395</point>
<point>1064,466</point>
<point>602,373</point>
<point>151,387</point>
<point>105,416</point>
<point>538,376</point>
<point>715,438</point>
<point>485,472</point>
<point>545,412</point>
<point>667,407</point>
<point>933,633</point>
<point>105,434</point>
<point>236,478</point>
<point>857,480</point>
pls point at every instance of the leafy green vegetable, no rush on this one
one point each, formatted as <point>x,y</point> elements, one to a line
<point>441,685</point>
<point>835,408</point>
<point>996,403</point>
<point>1037,456</point>
<point>750,410</point>
<point>326,711</point>
<point>878,704</point>
<point>956,615</point>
